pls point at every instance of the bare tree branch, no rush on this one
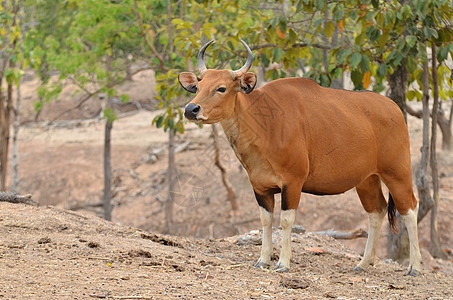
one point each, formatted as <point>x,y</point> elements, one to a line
<point>295,45</point>
<point>145,37</point>
<point>91,94</point>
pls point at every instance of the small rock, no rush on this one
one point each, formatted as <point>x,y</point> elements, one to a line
<point>396,286</point>
<point>44,240</point>
<point>298,229</point>
<point>294,283</point>
<point>93,245</point>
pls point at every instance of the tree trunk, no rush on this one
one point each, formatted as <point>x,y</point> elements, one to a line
<point>435,249</point>
<point>447,134</point>
<point>398,86</point>
<point>398,243</point>
<point>16,124</point>
<point>226,182</point>
<point>169,204</point>
<point>108,167</point>
<point>5,136</point>
<point>3,140</point>
<point>108,147</point>
<point>6,104</point>
<point>450,118</point>
<point>424,194</point>
<point>444,125</point>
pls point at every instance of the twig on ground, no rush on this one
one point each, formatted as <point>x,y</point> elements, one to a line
<point>236,266</point>
<point>358,233</point>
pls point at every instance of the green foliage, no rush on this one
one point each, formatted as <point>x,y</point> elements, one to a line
<point>10,32</point>
<point>368,39</point>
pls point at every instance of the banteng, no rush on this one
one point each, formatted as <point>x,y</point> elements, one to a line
<point>294,136</point>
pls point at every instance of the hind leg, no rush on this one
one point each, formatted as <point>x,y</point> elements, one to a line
<point>410,220</point>
<point>407,206</point>
<point>373,201</point>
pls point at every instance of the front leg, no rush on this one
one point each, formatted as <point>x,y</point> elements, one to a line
<point>290,202</point>
<point>266,204</point>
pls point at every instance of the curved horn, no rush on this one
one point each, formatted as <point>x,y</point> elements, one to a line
<point>201,65</point>
<point>248,63</point>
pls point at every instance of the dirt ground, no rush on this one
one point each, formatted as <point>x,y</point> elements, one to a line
<point>47,250</point>
<point>50,253</point>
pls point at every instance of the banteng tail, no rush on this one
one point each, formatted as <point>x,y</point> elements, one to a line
<point>391,212</point>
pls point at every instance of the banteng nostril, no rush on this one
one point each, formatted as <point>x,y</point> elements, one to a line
<point>191,111</point>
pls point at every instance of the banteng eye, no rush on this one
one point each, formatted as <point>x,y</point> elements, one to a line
<point>221,89</point>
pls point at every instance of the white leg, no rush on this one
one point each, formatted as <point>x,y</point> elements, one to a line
<point>266,244</point>
<point>410,220</point>
<point>286,221</point>
<point>375,224</point>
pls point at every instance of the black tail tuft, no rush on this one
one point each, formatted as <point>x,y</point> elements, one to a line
<point>391,212</point>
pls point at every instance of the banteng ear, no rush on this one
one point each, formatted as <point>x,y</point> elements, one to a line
<point>188,81</point>
<point>248,82</point>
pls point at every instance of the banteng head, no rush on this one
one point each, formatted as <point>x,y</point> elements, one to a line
<point>216,90</point>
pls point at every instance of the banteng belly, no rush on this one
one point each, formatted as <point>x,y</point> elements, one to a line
<point>339,169</point>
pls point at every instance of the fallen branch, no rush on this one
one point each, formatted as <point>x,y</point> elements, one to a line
<point>358,233</point>
<point>12,197</point>
<point>182,147</point>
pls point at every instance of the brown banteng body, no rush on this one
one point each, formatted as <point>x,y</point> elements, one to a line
<point>294,136</point>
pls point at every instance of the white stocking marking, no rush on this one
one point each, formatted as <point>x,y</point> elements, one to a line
<point>266,245</point>
<point>286,221</point>
<point>375,224</point>
<point>410,220</point>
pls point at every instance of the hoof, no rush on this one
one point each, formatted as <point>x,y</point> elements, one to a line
<point>281,268</point>
<point>412,272</point>
<point>359,269</point>
<point>261,265</point>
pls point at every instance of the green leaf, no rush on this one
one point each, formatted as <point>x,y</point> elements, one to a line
<point>382,70</point>
<point>354,60</point>
<point>38,105</point>
<point>177,21</point>
<point>110,115</point>
<point>410,95</point>
<point>170,123</point>
<point>375,3</point>
<point>338,12</point>
<point>277,54</point>
<point>329,29</point>
<point>383,40</point>
<point>410,63</point>
<point>364,63</point>
<point>158,120</point>
<point>319,4</point>
<point>356,77</point>
<point>264,60</point>
<point>124,98</point>
<point>282,25</point>
<point>411,40</point>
